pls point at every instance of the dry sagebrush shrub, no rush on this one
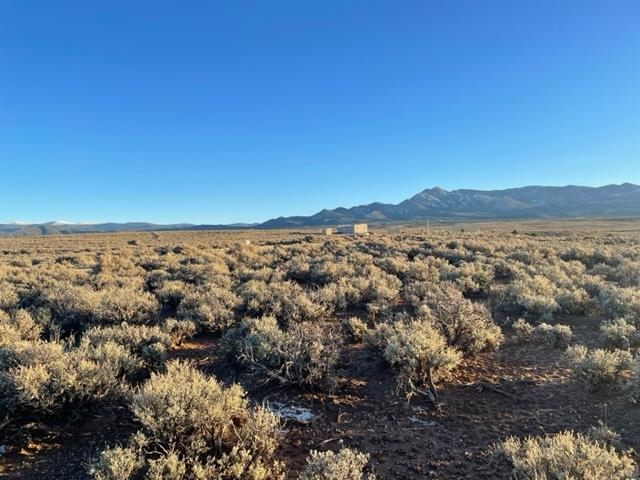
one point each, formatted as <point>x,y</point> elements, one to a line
<point>619,333</point>
<point>565,455</point>
<point>552,335</point>
<point>46,377</point>
<point>466,325</point>
<point>287,301</point>
<point>204,275</point>
<point>473,277</point>
<point>358,285</point>
<point>604,435</point>
<point>148,344</point>
<point>304,354</point>
<point>590,257</point>
<point>532,297</point>
<point>599,369</point>
<point>626,273</point>
<point>75,307</point>
<point>179,330</point>
<point>20,325</point>
<point>634,383</point>
<point>418,351</point>
<point>211,309</point>
<point>619,302</point>
<point>8,296</point>
<point>171,293</point>
<point>347,464</point>
<point>356,328</point>
<point>194,428</point>
<point>117,305</point>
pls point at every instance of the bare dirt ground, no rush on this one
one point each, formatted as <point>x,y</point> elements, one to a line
<point>520,390</point>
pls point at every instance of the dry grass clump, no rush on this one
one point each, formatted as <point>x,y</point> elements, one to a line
<point>564,455</point>
<point>552,335</point>
<point>194,428</point>
<point>347,464</point>
<point>599,369</point>
<point>304,354</point>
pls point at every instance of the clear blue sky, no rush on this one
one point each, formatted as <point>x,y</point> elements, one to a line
<point>239,111</point>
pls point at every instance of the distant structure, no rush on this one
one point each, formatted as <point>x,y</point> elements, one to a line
<point>355,229</point>
<point>327,231</point>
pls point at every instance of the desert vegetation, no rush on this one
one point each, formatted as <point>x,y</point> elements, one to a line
<point>292,355</point>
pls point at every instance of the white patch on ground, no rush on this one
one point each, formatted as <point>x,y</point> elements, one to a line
<point>291,412</point>
<point>422,422</point>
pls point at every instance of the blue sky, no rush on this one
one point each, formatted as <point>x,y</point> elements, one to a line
<point>217,112</point>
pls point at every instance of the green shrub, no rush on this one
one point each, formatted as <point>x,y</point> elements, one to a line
<point>565,455</point>
<point>599,368</point>
<point>347,464</point>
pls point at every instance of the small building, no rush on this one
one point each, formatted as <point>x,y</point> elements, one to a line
<point>327,231</point>
<point>355,229</point>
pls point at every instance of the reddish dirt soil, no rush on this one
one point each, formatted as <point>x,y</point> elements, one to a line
<point>526,391</point>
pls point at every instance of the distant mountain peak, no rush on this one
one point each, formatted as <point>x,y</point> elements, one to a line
<point>513,203</point>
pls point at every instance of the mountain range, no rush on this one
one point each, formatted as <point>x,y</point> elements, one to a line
<point>435,203</point>
<point>514,203</point>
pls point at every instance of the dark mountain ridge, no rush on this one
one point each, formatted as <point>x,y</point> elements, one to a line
<point>433,203</point>
<point>513,203</point>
